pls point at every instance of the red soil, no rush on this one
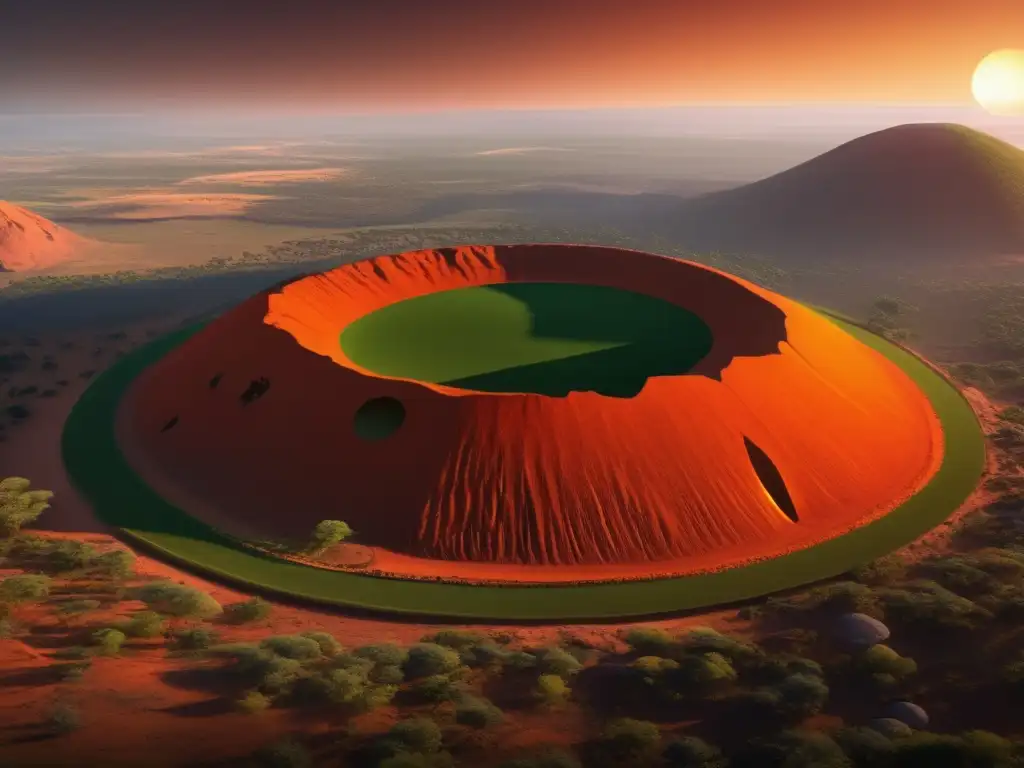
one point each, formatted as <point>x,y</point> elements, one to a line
<point>523,486</point>
<point>29,242</point>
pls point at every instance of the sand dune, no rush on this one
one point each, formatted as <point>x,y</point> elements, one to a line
<point>169,205</point>
<point>268,177</point>
<point>30,242</point>
<point>660,481</point>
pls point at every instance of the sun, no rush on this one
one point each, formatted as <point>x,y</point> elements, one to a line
<point>998,82</point>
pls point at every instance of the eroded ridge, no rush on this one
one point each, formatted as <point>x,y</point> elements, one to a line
<point>659,480</point>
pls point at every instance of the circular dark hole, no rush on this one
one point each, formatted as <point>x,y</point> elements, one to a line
<point>378,418</point>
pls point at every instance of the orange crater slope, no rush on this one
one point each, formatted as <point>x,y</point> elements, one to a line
<point>479,485</point>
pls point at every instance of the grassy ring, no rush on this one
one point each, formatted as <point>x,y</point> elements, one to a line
<point>121,499</point>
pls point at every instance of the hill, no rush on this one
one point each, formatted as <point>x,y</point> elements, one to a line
<point>29,241</point>
<point>920,191</point>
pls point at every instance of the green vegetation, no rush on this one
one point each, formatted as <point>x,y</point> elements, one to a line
<point>245,611</point>
<point>19,505</point>
<point>177,600</point>
<point>326,534</point>
<point>545,338</point>
<point>96,466</point>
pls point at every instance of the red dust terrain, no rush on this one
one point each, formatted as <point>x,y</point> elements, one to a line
<point>479,486</point>
<point>30,242</point>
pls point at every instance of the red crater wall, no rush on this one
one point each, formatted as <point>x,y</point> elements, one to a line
<point>658,483</point>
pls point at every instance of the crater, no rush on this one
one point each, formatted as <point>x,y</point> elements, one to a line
<point>540,338</point>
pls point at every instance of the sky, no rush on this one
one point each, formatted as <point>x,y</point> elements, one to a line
<point>386,56</point>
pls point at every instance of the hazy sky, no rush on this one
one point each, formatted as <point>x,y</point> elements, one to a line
<point>402,55</point>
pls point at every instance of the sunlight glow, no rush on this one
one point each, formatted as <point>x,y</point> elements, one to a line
<point>998,82</point>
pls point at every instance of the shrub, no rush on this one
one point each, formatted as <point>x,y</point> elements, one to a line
<point>417,734</point>
<point>801,696</point>
<point>383,654</point>
<point>117,564</point>
<point>108,641</point>
<point>485,654</point>
<point>931,606</point>
<point>62,556</point>
<point>691,752</point>
<point>75,670</point>
<point>436,689</point>
<point>476,712</point>
<point>883,660</point>
<point>389,674</point>
<point>703,671</point>
<point>292,647</point>
<point>459,639</point>
<point>866,747</point>
<point>377,696</point>
<point>520,660</point>
<point>71,608</point>
<point>326,534</point>
<point>341,687</point>
<point>24,588</point>
<point>245,611</point>
<point>552,690</point>
<point>883,570</point>
<point>431,659</point>
<point>255,665</point>
<point>193,639</point>
<point>19,505</point>
<point>143,624</point>
<point>329,646</point>
<point>649,641</point>
<point>63,719</point>
<point>652,666</point>
<point>284,754</point>
<point>556,661</point>
<point>628,740</point>
<point>178,600</point>
<point>253,702</point>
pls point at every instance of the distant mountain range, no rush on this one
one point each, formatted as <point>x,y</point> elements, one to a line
<point>29,241</point>
<point>920,191</point>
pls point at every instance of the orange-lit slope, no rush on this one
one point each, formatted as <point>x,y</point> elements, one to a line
<point>522,478</point>
<point>28,241</point>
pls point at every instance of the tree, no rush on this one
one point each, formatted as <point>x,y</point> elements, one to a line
<point>20,506</point>
<point>178,600</point>
<point>326,534</point>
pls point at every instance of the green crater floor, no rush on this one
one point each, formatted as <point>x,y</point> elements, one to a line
<point>542,338</point>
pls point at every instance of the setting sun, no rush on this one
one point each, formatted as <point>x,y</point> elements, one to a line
<point>998,82</point>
